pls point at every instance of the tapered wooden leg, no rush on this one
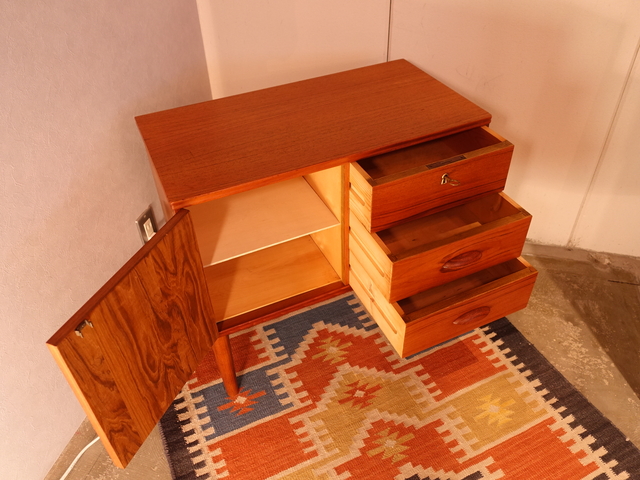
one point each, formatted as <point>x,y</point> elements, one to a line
<point>224,359</point>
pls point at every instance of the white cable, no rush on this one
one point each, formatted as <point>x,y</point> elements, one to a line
<point>75,460</point>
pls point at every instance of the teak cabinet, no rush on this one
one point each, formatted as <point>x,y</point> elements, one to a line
<point>379,179</point>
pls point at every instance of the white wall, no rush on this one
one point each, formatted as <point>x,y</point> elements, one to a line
<point>551,72</point>
<point>73,178</point>
<point>610,218</point>
<point>251,45</point>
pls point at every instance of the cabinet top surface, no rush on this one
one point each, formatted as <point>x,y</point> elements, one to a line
<point>233,144</point>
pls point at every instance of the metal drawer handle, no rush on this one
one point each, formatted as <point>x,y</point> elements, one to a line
<point>472,315</point>
<point>460,261</point>
<point>446,179</point>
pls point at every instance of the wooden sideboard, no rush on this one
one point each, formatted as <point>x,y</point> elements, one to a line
<point>379,179</point>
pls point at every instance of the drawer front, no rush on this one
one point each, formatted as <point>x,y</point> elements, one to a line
<point>384,201</point>
<point>483,306</point>
<point>442,261</point>
<point>446,319</point>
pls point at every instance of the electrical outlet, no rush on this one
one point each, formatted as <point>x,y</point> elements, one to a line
<point>147,225</point>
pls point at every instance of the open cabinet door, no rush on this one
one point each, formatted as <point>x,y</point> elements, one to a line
<point>130,349</point>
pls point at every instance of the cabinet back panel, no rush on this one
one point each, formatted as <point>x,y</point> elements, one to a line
<point>249,221</point>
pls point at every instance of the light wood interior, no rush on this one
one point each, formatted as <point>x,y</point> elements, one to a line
<point>423,231</point>
<point>329,186</point>
<point>425,299</point>
<point>232,226</point>
<point>248,282</point>
<point>428,153</point>
<point>329,241</point>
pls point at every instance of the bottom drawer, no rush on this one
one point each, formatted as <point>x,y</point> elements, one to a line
<point>444,312</point>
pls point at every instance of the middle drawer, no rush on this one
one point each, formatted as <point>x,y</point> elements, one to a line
<point>426,252</point>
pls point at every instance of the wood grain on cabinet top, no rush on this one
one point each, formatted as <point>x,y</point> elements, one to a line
<point>229,145</point>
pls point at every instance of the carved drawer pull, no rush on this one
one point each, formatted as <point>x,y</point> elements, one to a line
<point>472,315</point>
<point>460,261</point>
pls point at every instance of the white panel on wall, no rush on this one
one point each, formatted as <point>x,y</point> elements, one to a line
<point>550,72</point>
<point>610,218</point>
<point>74,176</point>
<point>251,45</point>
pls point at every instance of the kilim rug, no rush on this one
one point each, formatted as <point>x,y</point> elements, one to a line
<point>324,396</point>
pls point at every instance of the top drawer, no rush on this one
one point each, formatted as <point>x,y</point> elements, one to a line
<point>388,188</point>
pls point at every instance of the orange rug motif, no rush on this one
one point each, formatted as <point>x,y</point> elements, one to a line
<point>325,397</point>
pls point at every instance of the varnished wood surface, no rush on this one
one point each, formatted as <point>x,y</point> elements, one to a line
<point>152,325</point>
<point>282,307</point>
<point>429,301</point>
<point>387,200</point>
<point>267,276</point>
<point>400,240</point>
<point>413,325</point>
<point>500,297</point>
<point>384,313</point>
<point>425,154</point>
<point>249,221</point>
<point>226,365</point>
<point>410,260</point>
<point>330,184</point>
<point>216,148</point>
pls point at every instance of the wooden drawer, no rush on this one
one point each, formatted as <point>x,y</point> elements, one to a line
<point>428,251</point>
<point>389,188</point>
<point>439,314</point>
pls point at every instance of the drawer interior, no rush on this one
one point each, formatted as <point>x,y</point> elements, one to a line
<point>431,300</point>
<point>416,234</point>
<point>430,154</point>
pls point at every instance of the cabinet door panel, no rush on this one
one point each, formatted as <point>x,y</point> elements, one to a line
<point>143,335</point>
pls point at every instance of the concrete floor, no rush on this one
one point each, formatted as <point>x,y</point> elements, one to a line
<point>584,316</point>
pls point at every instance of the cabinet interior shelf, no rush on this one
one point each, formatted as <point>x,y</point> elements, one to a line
<point>267,276</point>
<point>232,226</point>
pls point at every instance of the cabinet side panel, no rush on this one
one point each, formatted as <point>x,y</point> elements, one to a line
<point>329,186</point>
<point>329,242</point>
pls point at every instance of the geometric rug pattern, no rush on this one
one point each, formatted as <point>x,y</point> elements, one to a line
<point>323,396</point>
